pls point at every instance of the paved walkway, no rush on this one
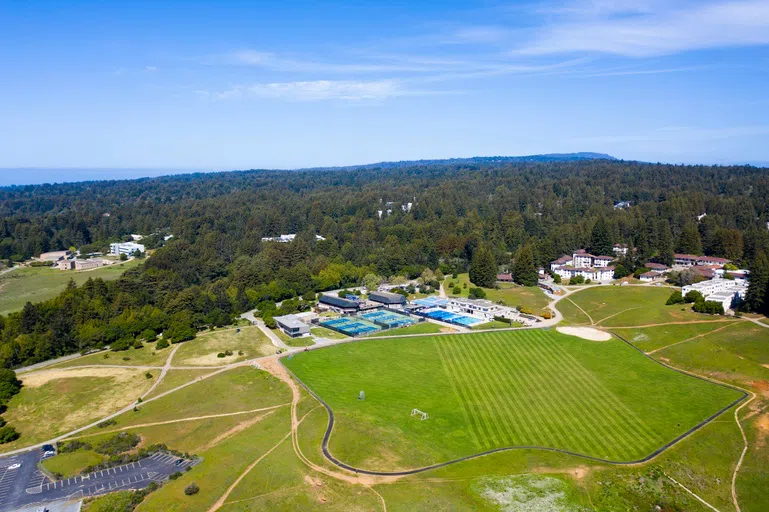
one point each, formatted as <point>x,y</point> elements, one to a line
<point>266,330</point>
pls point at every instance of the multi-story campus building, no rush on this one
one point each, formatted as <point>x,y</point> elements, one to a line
<point>582,263</point>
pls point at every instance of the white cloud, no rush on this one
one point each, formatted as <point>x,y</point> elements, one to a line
<point>320,90</point>
<point>654,29</point>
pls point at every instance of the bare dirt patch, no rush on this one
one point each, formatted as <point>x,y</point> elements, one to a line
<point>210,360</point>
<point>763,431</point>
<point>762,386</point>
<point>586,333</point>
<point>37,379</point>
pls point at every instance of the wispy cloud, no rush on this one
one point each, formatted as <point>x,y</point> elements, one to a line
<point>652,29</point>
<point>324,90</point>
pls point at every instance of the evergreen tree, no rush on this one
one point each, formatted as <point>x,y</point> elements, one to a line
<point>483,269</point>
<point>756,298</point>
<point>524,271</point>
<point>689,242</point>
<point>665,253</point>
<point>601,243</point>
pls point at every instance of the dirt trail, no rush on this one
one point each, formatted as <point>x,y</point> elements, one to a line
<point>182,420</point>
<point>615,314</point>
<point>592,322</point>
<point>734,320</point>
<point>163,371</point>
<point>742,455</point>
<point>273,366</point>
<point>692,338</point>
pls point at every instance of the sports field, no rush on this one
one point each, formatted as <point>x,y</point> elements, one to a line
<point>36,284</point>
<point>490,390</point>
<point>625,306</point>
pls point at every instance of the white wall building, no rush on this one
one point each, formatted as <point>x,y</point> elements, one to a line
<point>725,291</point>
<point>127,248</point>
<point>286,238</point>
<point>582,263</point>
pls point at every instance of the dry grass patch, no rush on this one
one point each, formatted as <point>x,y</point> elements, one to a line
<point>204,350</point>
<point>53,402</point>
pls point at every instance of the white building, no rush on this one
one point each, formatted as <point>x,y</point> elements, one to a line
<point>725,291</point>
<point>127,248</point>
<point>292,326</point>
<point>651,276</point>
<point>582,263</point>
<point>286,238</point>
<point>620,249</point>
<point>690,260</point>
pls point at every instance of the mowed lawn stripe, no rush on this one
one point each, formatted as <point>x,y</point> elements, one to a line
<point>504,389</point>
<point>527,430</point>
<point>588,399</point>
<point>500,405</point>
<point>575,401</point>
<point>633,419</point>
<point>473,391</point>
<point>527,402</point>
<point>480,377</point>
<point>623,437</point>
<point>451,374</point>
<point>541,400</point>
<point>628,428</point>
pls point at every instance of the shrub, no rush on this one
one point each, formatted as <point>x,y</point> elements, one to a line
<point>708,307</point>
<point>457,290</point>
<point>8,434</point>
<point>148,375</point>
<point>107,423</point>
<point>148,335</point>
<point>577,280</point>
<point>220,354</point>
<point>162,344</point>
<point>693,296</point>
<point>477,293</point>
<point>547,314</point>
<point>175,475</point>
<point>556,278</point>
<point>73,446</point>
<point>121,344</point>
<point>525,310</point>
<point>675,298</point>
<point>191,489</point>
<point>137,344</point>
<point>270,322</point>
<point>588,281</point>
<point>119,443</point>
<point>452,284</point>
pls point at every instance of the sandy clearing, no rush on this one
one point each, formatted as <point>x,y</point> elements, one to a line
<point>211,359</point>
<point>587,333</point>
<point>37,379</point>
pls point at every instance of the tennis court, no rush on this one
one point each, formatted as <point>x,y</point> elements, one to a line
<point>350,326</point>
<point>387,319</point>
<point>431,302</point>
<point>452,318</point>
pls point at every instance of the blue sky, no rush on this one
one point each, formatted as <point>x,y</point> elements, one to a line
<point>232,85</point>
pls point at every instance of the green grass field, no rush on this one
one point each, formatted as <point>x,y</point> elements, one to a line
<point>510,294</point>
<point>419,328</point>
<point>322,332</point>
<point>655,338</point>
<point>510,388</point>
<point>175,378</point>
<point>204,350</point>
<point>72,463</point>
<point>145,356</point>
<point>626,306</point>
<point>304,341</point>
<point>36,284</point>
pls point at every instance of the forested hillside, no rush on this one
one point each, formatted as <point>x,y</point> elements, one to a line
<point>217,266</point>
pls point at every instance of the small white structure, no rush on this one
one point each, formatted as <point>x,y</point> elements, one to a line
<point>292,326</point>
<point>651,276</point>
<point>422,415</point>
<point>286,238</point>
<point>620,249</point>
<point>127,248</point>
<point>137,238</point>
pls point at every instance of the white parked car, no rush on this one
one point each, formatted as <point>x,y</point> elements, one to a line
<point>15,466</point>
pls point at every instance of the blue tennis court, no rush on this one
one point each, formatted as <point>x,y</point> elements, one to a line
<point>431,302</point>
<point>387,319</point>
<point>350,326</point>
<point>452,318</point>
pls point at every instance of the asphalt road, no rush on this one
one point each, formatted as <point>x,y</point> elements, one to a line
<point>26,485</point>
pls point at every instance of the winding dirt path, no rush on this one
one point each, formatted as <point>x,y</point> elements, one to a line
<point>702,335</point>
<point>592,322</point>
<point>742,455</point>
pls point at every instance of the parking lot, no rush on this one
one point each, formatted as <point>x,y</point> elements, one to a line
<point>26,485</point>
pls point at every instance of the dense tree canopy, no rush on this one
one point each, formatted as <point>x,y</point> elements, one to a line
<point>216,265</point>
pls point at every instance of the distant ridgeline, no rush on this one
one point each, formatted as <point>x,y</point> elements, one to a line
<point>485,160</point>
<point>349,224</point>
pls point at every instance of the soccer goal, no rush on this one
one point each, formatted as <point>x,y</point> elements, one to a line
<point>422,415</point>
